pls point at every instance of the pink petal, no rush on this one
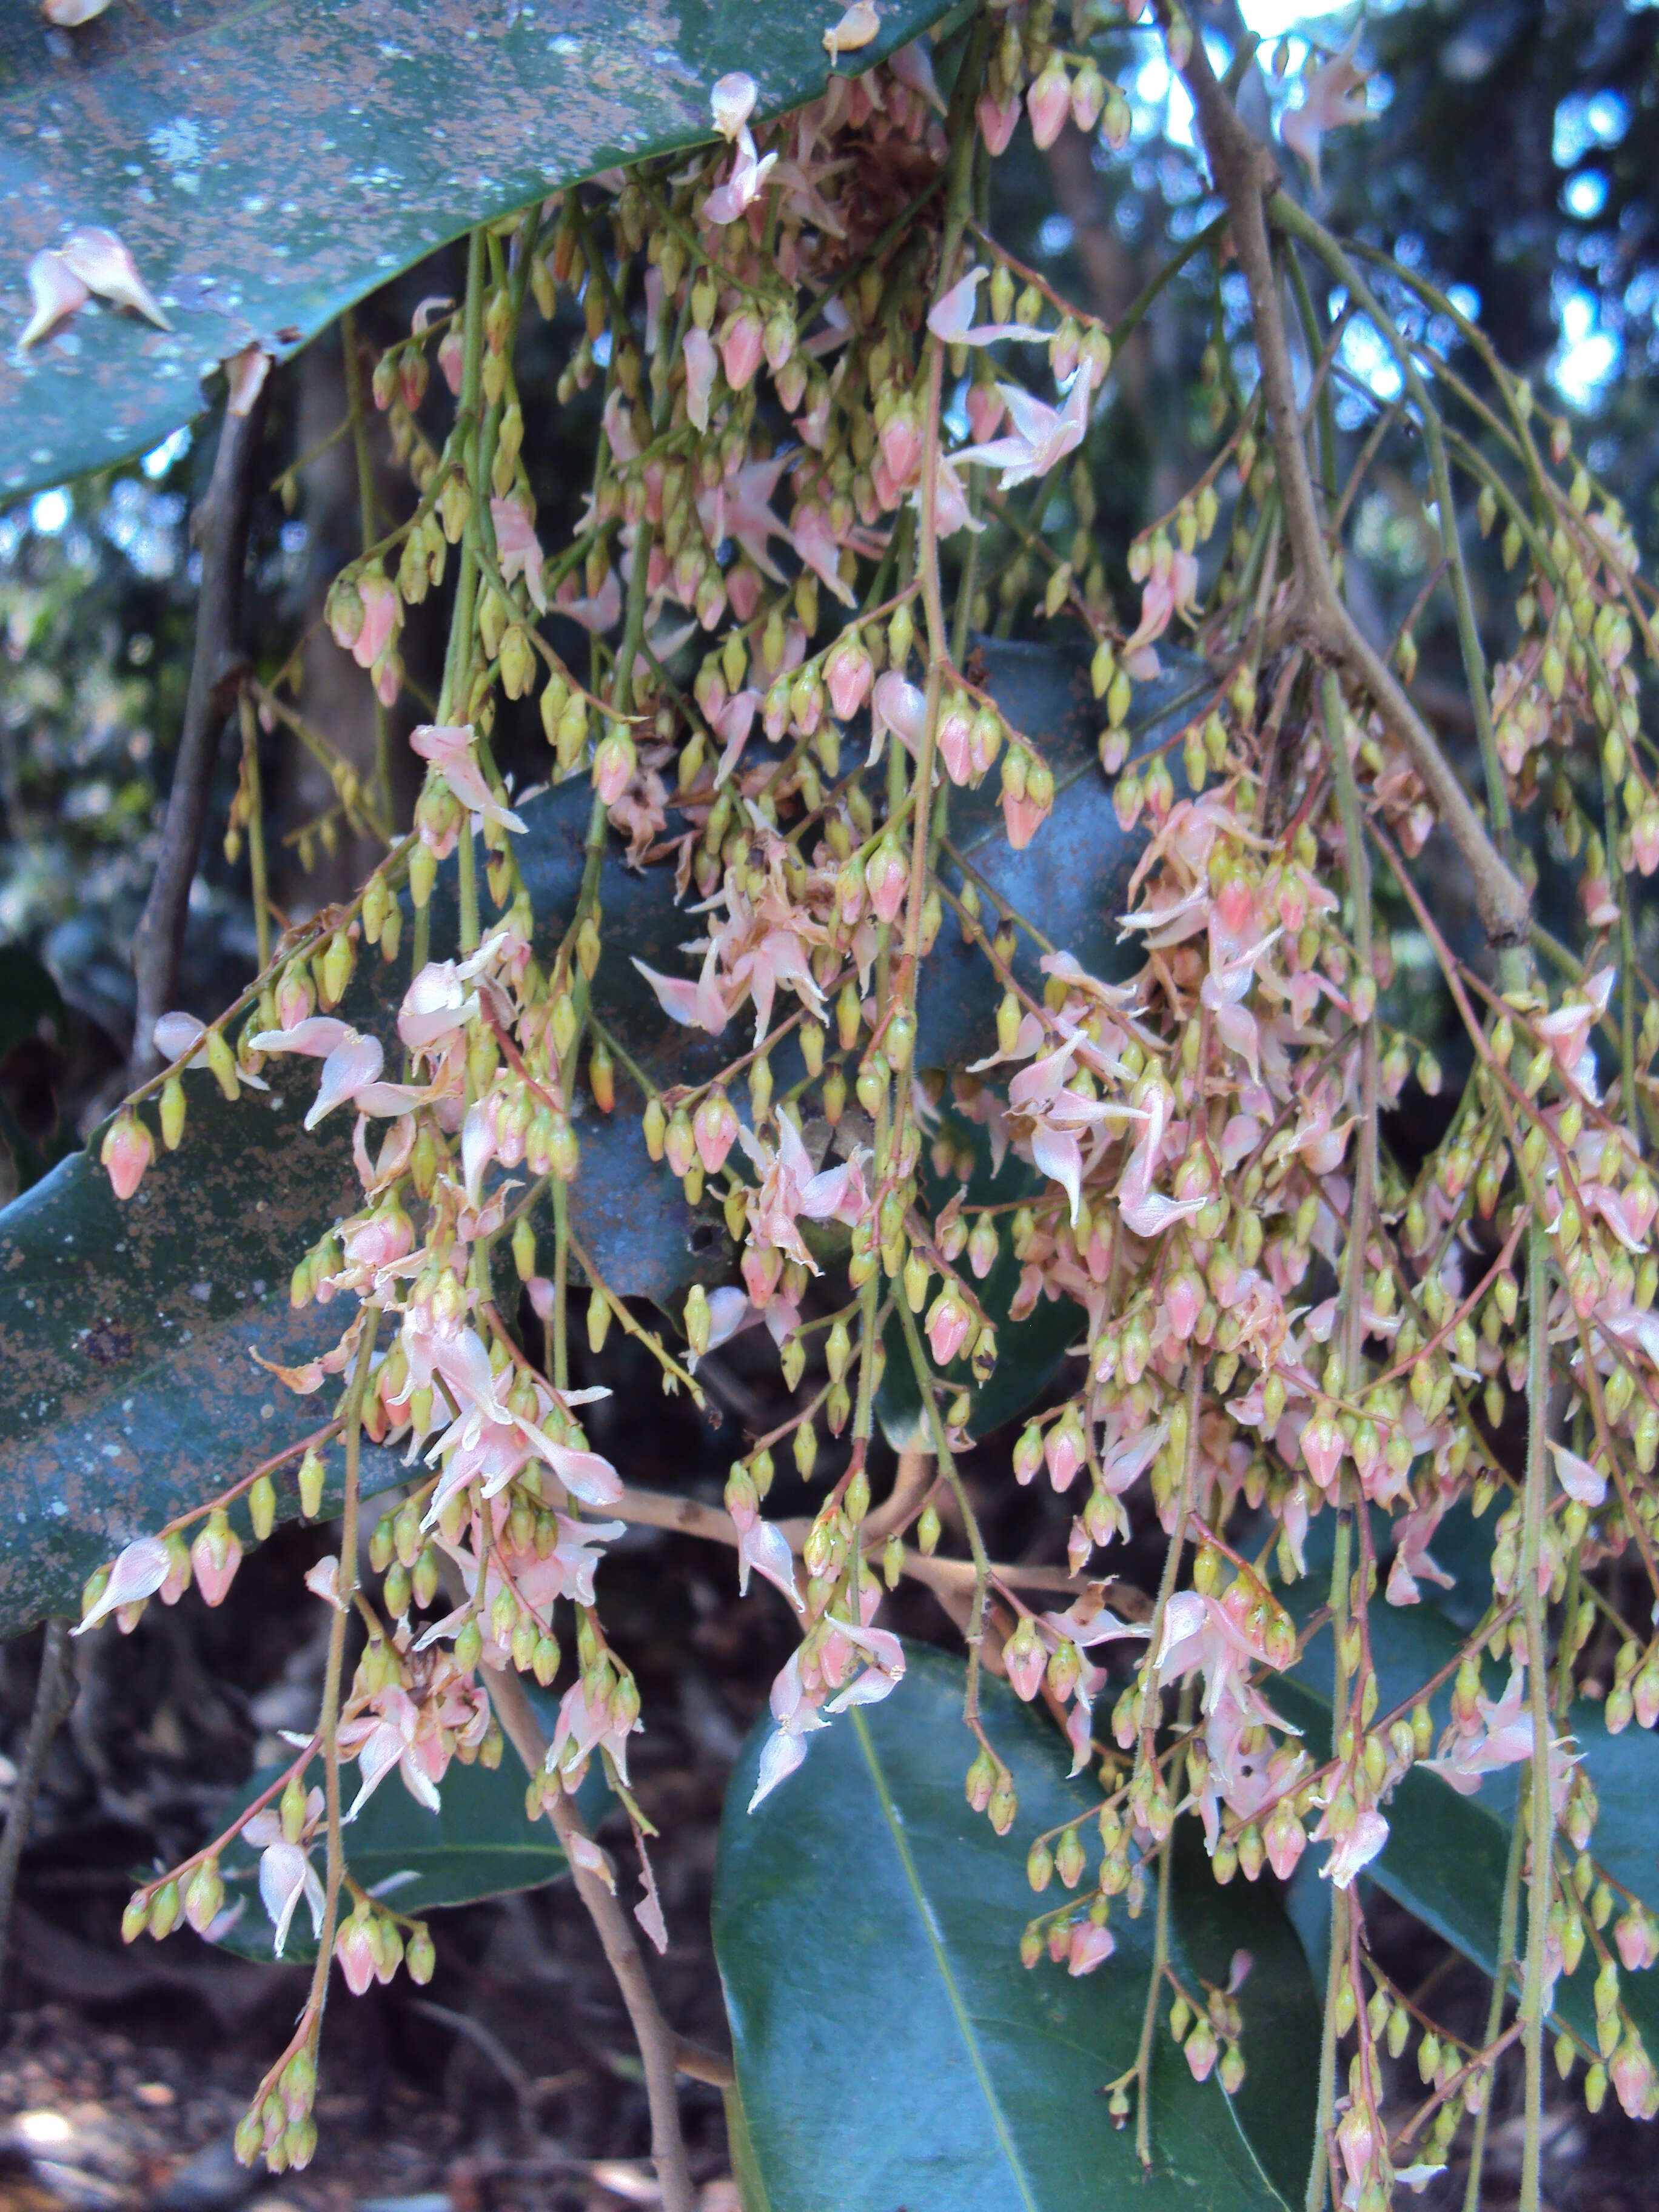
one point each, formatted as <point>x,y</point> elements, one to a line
<point>350,1068</point>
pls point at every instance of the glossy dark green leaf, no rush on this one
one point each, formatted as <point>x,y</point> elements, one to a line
<point>477,1845</point>
<point>889,2048</point>
<point>268,164</point>
<point>1073,880</point>
<point>1446,1855</point>
<point>127,1388</point>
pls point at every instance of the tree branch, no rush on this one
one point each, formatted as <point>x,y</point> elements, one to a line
<point>217,675</point>
<point>52,1697</point>
<point>659,2047</point>
<point>1247,177</point>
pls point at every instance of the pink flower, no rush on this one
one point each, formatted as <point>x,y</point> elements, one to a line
<point>127,1150</point>
<point>1093,1943</point>
<point>1566,1031</point>
<point>1502,1737</point>
<point>381,610</point>
<point>601,612</point>
<point>56,292</point>
<point>450,750</point>
<point>1144,1211</point>
<point>138,1573</point>
<point>437,1007</point>
<point>1357,1848</point>
<point>763,1546</point>
<point>518,549</point>
<point>1333,96</point>
<point>1042,435</point>
<point>801,1689</point>
<point>748,174</point>
<point>351,1067</point>
<point>1581,1481</point>
<point>104,265</point>
<point>286,1875</point>
<point>733,102</point>
<point>790,1190</point>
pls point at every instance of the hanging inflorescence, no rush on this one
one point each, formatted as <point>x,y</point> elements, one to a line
<point>1285,1338</point>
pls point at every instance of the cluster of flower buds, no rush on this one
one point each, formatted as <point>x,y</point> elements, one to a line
<point>1277,1325</point>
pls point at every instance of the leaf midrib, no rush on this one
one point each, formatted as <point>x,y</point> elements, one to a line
<point>959,2011</point>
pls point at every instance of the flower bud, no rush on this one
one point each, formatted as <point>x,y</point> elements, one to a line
<point>262,1506</point>
<point>127,1151</point>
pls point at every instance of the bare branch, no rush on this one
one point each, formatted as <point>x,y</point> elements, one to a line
<point>1247,177</point>
<point>659,2047</point>
<point>215,676</point>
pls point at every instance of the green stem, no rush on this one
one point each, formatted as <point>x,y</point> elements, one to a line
<point>1508,1915</point>
<point>1542,1839</point>
<point>1324,2110</point>
<point>328,1725</point>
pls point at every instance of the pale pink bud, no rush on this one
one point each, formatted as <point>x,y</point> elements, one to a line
<point>1063,1449</point>
<point>760,1271</point>
<point>1182,1302</point>
<point>1631,2074</point>
<point>451,359</point>
<point>955,740</point>
<point>1201,2048</point>
<point>996,121</point>
<point>1048,102</point>
<point>984,409</point>
<point>1645,840</point>
<point>215,1556</point>
<point>715,1127</point>
<point>1088,96</point>
<point>742,342</point>
<point>614,763</point>
<point>1025,1659</point>
<point>849,672</point>
<point>293,1000</point>
<point>1027,1454</point>
<point>1637,1938</point>
<point>127,1151</point>
<point>1286,1839</point>
<point>353,1946</point>
<point>901,443</point>
<point>948,1323</point>
<point>884,878</point>
<point>1321,1447</point>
